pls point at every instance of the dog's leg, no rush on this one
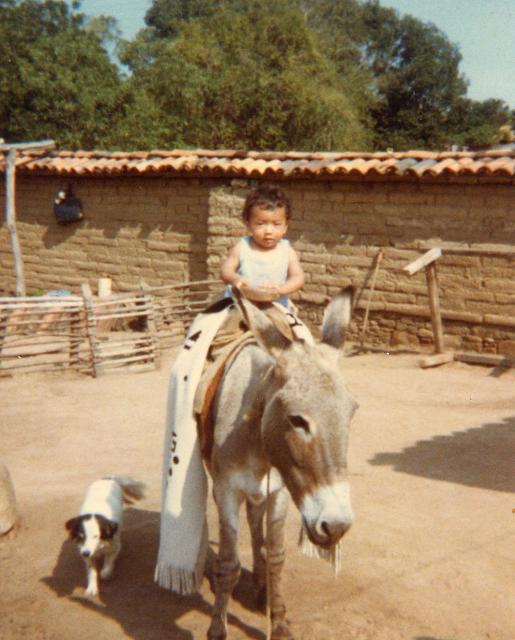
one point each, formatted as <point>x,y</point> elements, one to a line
<point>92,575</point>
<point>110,557</point>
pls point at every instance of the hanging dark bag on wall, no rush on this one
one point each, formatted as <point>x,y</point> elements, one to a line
<point>67,207</point>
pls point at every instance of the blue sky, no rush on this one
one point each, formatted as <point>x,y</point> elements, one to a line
<point>484,31</point>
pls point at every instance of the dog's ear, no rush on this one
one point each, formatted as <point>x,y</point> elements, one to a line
<point>72,526</point>
<point>107,528</point>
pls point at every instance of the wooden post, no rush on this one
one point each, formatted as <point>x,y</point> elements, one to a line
<point>90,326</point>
<point>379,257</point>
<point>488,359</point>
<point>76,329</point>
<point>434,305</point>
<point>10,204</point>
<point>10,217</point>
<point>428,262</point>
<point>152,327</point>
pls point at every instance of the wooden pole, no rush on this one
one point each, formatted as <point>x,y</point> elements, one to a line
<point>379,257</point>
<point>76,329</point>
<point>428,263</point>
<point>434,305</point>
<point>27,146</point>
<point>151,321</point>
<point>10,217</point>
<point>488,359</point>
<point>10,205</point>
<point>90,326</point>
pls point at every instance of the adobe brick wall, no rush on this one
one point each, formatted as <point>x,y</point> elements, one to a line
<point>150,228</point>
<point>338,228</point>
<point>176,229</point>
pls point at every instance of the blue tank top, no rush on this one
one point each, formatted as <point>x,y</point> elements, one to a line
<point>259,267</point>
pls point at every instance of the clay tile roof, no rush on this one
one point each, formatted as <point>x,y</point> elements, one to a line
<point>254,164</point>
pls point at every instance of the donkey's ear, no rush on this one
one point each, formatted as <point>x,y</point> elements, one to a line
<point>337,317</point>
<point>264,330</point>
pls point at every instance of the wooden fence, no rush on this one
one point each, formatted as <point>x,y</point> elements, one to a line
<point>93,335</point>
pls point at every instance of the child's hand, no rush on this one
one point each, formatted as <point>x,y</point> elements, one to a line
<point>265,293</point>
<point>257,294</point>
<point>241,283</point>
<point>271,289</point>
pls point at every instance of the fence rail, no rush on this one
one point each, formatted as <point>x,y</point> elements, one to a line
<point>123,331</point>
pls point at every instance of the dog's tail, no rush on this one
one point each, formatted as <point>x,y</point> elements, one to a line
<point>132,490</point>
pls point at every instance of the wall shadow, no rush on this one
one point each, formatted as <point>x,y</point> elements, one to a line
<point>143,609</point>
<point>118,209</point>
<point>482,457</point>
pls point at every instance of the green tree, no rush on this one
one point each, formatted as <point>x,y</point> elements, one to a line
<point>340,30</point>
<point>416,76</point>
<point>400,77</point>
<point>56,79</point>
<point>250,75</point>
<point>255,74</point>
<point>167,16</point>
<point>480,124</point>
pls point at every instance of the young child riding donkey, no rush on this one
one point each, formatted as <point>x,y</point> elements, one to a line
<point>279,412</point>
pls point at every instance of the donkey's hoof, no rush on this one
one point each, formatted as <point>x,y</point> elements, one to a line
<point>281,631</point>
<point>216,631</point>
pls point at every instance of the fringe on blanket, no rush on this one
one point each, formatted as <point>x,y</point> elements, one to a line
<point>180,580</point>
<point>332,555</point>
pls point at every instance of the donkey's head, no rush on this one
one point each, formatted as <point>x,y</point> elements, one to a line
<point>306,419</point>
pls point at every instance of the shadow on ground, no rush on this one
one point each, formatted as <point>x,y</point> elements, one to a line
<point>132,599</point>
<point>478,457</point>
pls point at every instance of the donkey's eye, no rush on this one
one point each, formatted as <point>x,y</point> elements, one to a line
<point>299,422</point>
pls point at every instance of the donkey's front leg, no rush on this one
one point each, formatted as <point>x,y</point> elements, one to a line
<point>227,563</point>
<point>275,555</point>
<point>255,514</point>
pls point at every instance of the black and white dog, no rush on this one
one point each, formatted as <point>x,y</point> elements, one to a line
<point>97,528</point>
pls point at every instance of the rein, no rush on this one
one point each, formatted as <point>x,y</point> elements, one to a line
<point>267,566</point>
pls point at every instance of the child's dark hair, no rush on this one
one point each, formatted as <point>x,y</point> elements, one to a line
<point>266,197</point>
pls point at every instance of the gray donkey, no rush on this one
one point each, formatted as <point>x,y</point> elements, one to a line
<point>282,407</point>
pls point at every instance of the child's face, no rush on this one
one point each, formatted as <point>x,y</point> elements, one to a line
<point>267,226</point>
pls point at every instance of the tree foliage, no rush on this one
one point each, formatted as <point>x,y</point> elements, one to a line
<point>249,77</point>
<point>418,92</point>
<point>56,79</point>
<point>417,78</point>
<point>168,16</point>
<point>261,74</point>
<point>481,124</point>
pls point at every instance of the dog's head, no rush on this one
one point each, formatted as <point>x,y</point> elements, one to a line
<point>91,532</point>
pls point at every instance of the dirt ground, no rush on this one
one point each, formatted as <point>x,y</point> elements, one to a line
<point>430,557</point>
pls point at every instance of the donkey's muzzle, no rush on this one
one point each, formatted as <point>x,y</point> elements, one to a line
<point>327,514</point>
<point>334,530</point>
<point>326,533</point>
